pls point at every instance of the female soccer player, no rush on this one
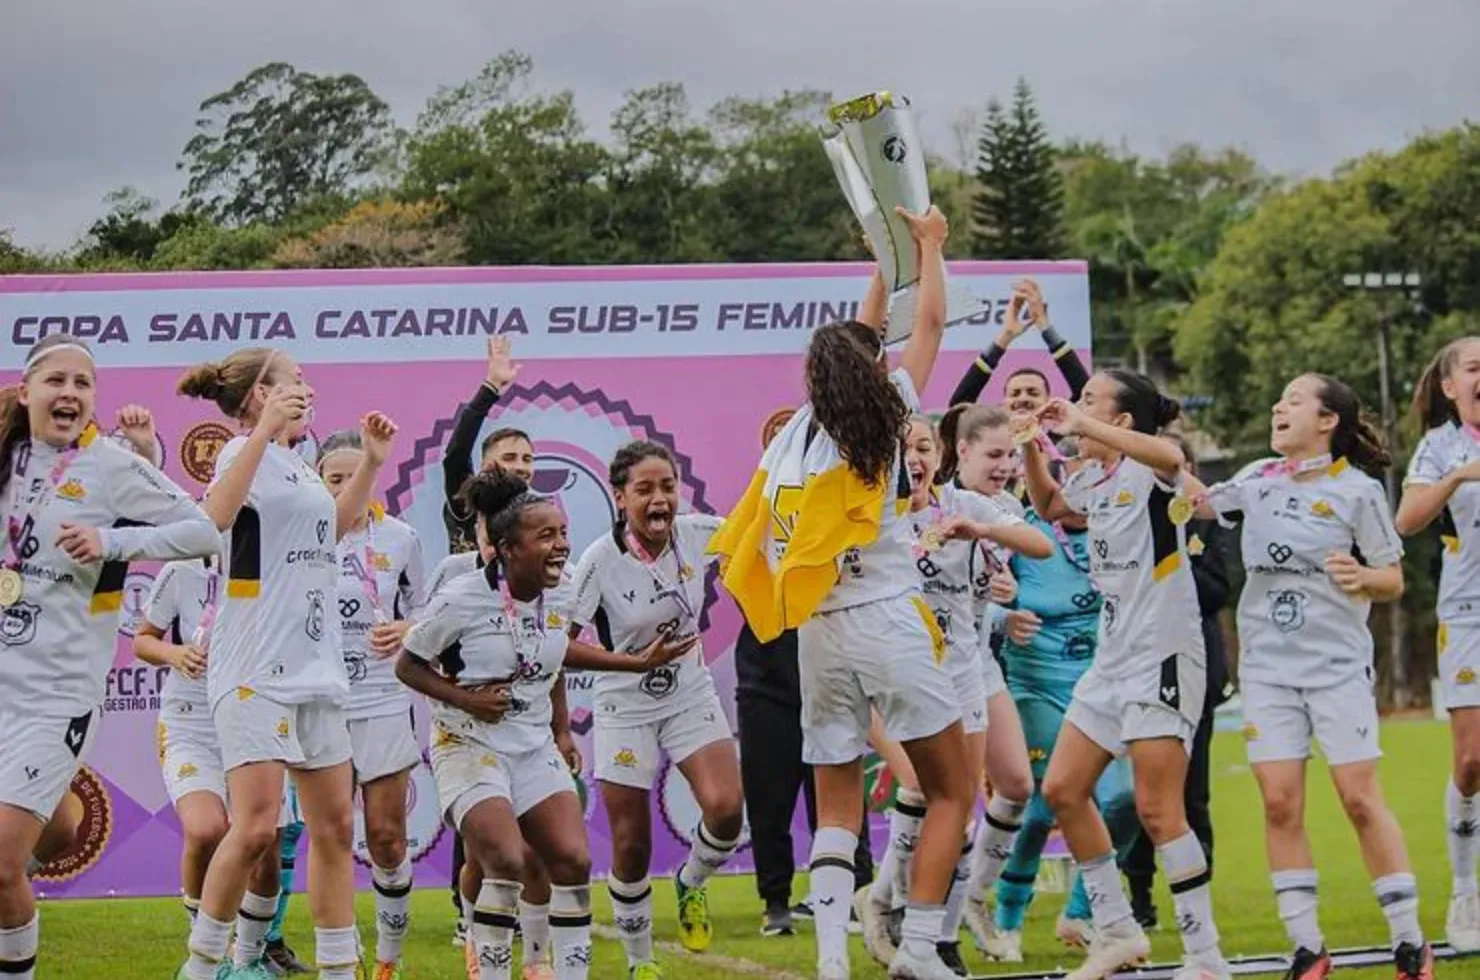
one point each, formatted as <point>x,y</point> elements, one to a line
<point>643,581</point>
<point>277,682</point>
<point>78,508</point>
<point>500,777</point>
<point>819,541</point>
<point>1319,548</point>
<point>1143,693</point>
<point>380,591</point>
<point>959,577</point>
<point>1441,485</point>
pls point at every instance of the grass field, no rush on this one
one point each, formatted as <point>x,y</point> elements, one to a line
<point>145,938</point>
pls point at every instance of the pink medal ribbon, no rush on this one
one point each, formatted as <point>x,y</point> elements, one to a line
<point>19,527</point>
<point>676,592</point>
<point>201,637</point>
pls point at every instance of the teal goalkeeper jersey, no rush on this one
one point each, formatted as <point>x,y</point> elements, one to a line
<point>1058,589</point>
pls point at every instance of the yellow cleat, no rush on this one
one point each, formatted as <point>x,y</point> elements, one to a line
<point>645,971</point>
<point>695,930</point>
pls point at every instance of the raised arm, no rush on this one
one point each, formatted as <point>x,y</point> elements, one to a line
<point>376,433</point>
<point>875,307</point>
<point>1161,455</point>
<point>457,458</point>
<point>1043,490</point>
<point>233,483</point>
<point>920,351</point>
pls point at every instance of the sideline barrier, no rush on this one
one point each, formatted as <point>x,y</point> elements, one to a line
<point>1252,966</point>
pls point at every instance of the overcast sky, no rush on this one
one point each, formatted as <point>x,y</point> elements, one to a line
<point>97,95</point>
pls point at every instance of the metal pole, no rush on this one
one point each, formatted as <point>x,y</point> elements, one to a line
<point>1397,634</point>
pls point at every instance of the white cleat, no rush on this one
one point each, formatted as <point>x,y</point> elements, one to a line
<point>979,921</point>
<point>1005,945</point>
<point>907,967</point>
<point>1462,924</point>
<point>1076,933</point>
<point>1202,971</point>
<point>833,970</point>
<point>873,917</point>
<point>1124,945</point>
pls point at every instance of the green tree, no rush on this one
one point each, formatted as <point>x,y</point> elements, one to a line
<point>131,230</point>
<point>206,246</point>
<point>280,138</point>
<point>1019,208</point>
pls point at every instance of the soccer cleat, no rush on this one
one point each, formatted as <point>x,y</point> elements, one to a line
<point>1305,965</point>
<point>979,921</point>
<point>874,918</point>
<point>1462,924</point>
<point>1414,962</point>
<point>1201,971</point>
<point>1005,945</point>
<point>281,961</point>
<point>778,921</point>
<point>470,960</point>
<point>253,971</point>
<point>950,955</point>
<point>695,930</point>
<point>1112,949</point>
<point>387,971</point>
<point>538,971</point>
<point>645,971</point>
<point>906,966</point>
<point>1075,933</point>
<point>460,934</point>
<point>802,910</point>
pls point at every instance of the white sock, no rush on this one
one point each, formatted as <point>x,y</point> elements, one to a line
<point>337,952</point>
<point>494,918</point>
<point>632,909</point>
<point>570,927</point>
<point>208,939</point>
<point>534,931</point>
<point>18,950</point>
<point>392,910</point>
<point>467,914</point>
<point>1462,820</point>
<point>950,929</point>
<point>1108,904</point>
<point>994,840</point>
<point>1185,864</point>
<point>832,884</point>
<point>921,929</point>
<point>1295,894</point>
<point>1398,896</point>
<point>891,885</point>
<point>252,923</point>
<point>706,856</point>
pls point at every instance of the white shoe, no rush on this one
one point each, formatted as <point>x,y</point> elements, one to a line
<point>1005,945</point>
<point>1076,933</point>
<point>1462,924</point>
<point>1202,971</point>
<point>979,921</point>
<point>874,919</point>
<point>1111,950</point>
<point>833,970</point>
<point>907,967</point>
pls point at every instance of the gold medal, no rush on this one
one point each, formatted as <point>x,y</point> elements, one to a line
<point>1024,436</point>
<point>931,539</point>
<point>1180,510</point>
<point>11,587</point>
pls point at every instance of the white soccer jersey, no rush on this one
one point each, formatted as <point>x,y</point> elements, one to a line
<point>628,603</point>
<point>1296,627</point>
<point>561,598</point>
<point>277,630</point>
<point>1442,451</point>
<point>954,579</point>
<point>467,633</point>
<point>390,550</point>
<point>60,634</point>
<point>1139,564</point>
<point>886,568</point>
<point>175,606</point>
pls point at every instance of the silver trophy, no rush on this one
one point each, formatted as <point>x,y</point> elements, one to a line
<point>880,164</point>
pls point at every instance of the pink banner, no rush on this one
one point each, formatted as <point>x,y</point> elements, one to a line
<point>707,391</point>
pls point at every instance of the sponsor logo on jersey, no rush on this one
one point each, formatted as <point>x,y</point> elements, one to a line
<point>72,490</point>
<point>94,829</point>
<point>1195,546</point>
<point>1124,498</point>
<point>625,759</point>
<point>18,623</point>
<point>1322,509</point>
<point>1250,731</point>
<point>282,728</point>
<point>200,447</point>
<point>1464,676</point>
<point>187,771</point>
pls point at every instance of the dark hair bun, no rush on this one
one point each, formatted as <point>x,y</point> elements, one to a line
<point>491,491</point>
<point>202,381</point>
<point>1167,411</point>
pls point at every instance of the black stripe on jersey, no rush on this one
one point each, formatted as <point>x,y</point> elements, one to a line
<point>176,637</point>
<point>107,595</point>
<point>244,566</point>
<point>603,628</point>
<point>1166,557</point>
<point>451,660</point>
<point>403,585</point>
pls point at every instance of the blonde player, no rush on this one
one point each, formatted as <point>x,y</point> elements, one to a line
<point>380,592</point>
<point>641,582</point>
<point>277,682</point>
<point>1143,694</point>
<point>77,508</point>
<point>1319,547</point>
<point>1441,486</point>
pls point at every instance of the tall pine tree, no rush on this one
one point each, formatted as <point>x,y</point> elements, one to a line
<point>1019,210</point>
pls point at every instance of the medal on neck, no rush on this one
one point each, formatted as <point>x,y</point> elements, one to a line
<point>12,585</point>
